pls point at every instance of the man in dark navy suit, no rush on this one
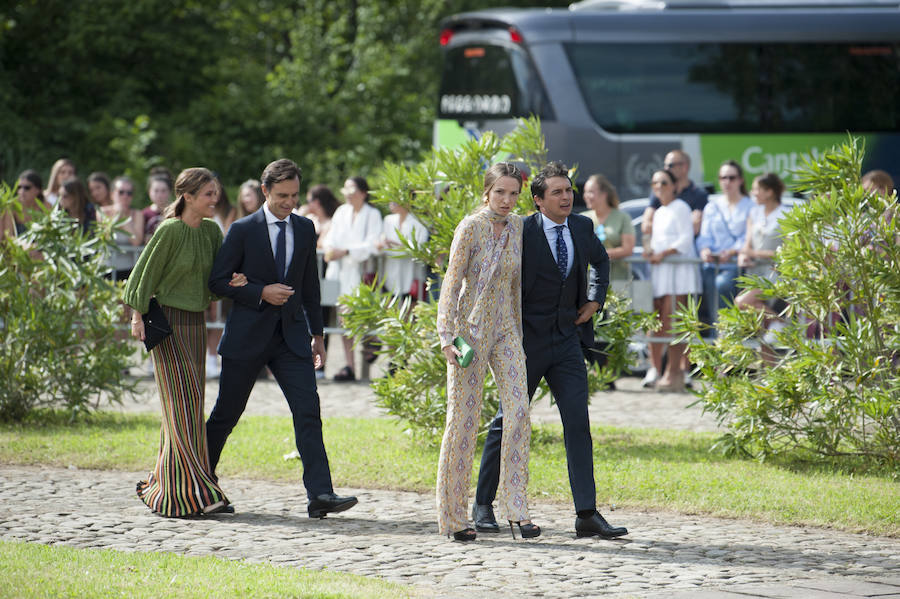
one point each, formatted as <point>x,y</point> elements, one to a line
<point>276,321</point>
<point>559,298</point>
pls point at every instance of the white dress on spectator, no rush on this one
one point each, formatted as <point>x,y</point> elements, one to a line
<point>672,228</point>
<point>357,234</point>
<point>765,234</point>
<point>400,271</point>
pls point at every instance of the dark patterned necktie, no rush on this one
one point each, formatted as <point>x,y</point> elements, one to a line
<point>280,250</point>
<point>562,253</point>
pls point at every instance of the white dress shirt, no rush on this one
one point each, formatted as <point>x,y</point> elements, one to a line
<point>271,219</point>
<point>550,232</point>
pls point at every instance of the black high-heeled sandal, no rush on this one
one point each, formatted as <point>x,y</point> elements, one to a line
<point>465,535</point>
<point>528,531</point>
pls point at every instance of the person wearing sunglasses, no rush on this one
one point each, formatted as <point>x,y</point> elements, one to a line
<point>31,198</point>
<point>722,235</point>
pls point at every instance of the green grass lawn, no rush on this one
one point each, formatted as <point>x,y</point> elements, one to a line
<point>634,468</point>
<point>30,571</point>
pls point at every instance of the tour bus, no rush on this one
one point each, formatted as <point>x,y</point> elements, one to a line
<point>617,84</point>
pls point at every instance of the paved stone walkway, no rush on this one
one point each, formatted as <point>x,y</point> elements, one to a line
<point>393,535</point>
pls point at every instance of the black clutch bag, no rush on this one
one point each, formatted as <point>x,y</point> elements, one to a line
<point>156,325</point>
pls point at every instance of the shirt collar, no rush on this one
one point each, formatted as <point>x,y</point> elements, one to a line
<point>549,225</point>
<point>271,218</point>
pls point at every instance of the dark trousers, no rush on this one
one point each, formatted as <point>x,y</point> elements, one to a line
<point>561,363</point>
<point>297,379</point>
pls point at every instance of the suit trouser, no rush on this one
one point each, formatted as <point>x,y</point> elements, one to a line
<point>297,379</point>
<point>465,388</point>
<point>561,362</point>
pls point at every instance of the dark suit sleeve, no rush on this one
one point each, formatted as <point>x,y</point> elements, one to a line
<point>312,301</point>
<point>598,280</point>
<point>229,260</point>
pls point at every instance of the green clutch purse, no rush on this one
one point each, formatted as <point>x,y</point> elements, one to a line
<point>467,352</point>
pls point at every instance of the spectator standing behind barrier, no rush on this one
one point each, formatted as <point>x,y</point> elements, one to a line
<point>31,198</point>
<point>321,205</point>
<point>62,170</point>
<point>130,232</point>
<point>611,226</point>
<point>722,235</point>
<point>73,198</point>
<point>673,235</point>
<point>174,268</point>
<point>763,240</point>
<point>403,276</point>
<point>159,188</point>
<point>355,229</point>
<point>100,189</point>
<point>678,163</point>
<point>250,198</point>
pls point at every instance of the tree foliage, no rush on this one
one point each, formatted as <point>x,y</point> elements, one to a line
<point>58,317</point>
<point>834,386</point>
<point>440,190</point>
<point>337,86</point>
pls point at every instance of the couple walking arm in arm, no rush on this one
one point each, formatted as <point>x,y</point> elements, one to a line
<point>557,299</point>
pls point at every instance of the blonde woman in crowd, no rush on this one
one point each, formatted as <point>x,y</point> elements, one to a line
<point>62,170</point>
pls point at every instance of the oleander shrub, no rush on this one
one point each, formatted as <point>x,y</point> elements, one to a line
<point>830,386</point>
<point>58,317</point>
<point>440,190</point>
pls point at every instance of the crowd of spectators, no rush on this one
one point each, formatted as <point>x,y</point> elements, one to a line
<point>714,238</point>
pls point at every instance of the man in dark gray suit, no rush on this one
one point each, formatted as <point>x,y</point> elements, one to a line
<point>559,298</point>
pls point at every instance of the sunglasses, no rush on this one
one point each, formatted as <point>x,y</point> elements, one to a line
<point>671,165</point>
<point>24,187</point>
<point>728,177</point>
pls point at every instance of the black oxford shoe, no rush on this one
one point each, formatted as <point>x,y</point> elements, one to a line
<point>329,503</point>
<point>483,516</point>
<point>596,526</point>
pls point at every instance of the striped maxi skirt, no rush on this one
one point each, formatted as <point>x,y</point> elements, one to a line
<point>181,483</point>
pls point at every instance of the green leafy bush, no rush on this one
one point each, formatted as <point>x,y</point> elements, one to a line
<point>831,386</point>
<point>58,317</point>
<point>441,190</point>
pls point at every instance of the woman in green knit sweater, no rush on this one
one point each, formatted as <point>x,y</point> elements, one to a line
<point>174,268</point>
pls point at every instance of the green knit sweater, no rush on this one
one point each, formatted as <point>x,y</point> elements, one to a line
<point>175,267</point>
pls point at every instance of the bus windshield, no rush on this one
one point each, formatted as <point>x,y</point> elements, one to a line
<point>716,87</point>
<point>490,81</point>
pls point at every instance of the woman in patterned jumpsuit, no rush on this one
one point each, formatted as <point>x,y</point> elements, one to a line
<point>481,301</point>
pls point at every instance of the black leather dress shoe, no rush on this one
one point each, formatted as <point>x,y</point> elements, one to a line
<point>329,503</point>
<point>483,516</point>
<point>596,526</point>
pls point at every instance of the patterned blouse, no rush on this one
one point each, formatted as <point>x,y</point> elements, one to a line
<point>482,289</point>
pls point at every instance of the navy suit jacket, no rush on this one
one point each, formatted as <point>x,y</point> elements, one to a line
<point>251,322</point>
<point>541,281</point>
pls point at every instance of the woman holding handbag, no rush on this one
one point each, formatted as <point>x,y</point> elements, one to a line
<point>481,306</point>
<point>173,271</point>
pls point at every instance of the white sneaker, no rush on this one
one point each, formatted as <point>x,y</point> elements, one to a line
<point>650,378</point>
<point>212,367</point>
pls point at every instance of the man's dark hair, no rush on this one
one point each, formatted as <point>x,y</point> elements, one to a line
<point>280,170</point>
<point>552,169</point>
